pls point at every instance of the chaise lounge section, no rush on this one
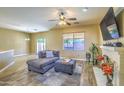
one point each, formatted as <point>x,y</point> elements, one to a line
<point>44,63</point>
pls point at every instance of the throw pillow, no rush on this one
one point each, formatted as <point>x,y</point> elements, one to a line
<point>49,54</point>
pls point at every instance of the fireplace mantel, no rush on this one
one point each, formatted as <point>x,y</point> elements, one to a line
<point>116,54</point>
<point>115,49</point>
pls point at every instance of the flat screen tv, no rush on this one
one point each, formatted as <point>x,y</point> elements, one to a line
<point>109,26</point>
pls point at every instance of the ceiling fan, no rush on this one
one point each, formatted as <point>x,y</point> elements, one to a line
<point>62,20</point>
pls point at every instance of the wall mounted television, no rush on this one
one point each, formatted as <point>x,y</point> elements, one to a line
<point>109,27</point>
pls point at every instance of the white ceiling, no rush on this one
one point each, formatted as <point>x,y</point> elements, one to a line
<point>31,18</point>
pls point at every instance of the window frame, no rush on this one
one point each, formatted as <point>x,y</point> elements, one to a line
<point>73,41</point>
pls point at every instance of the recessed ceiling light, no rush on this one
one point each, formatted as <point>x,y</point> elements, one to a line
<point>85,9</point>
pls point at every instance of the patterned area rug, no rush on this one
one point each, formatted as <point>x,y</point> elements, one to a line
<point>53,78</point>
<point>50,78</point>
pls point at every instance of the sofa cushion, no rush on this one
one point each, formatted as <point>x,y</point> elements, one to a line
<point>39,63</point>
<point>42,54</point>
<point>56,53</point>
<point>49,54</point>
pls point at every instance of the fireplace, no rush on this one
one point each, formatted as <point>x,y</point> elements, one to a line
<point>116,55</point>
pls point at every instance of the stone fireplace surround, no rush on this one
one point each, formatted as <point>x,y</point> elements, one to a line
<point>116,55</point>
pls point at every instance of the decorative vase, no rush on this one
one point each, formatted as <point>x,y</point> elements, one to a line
<point>109,80</point>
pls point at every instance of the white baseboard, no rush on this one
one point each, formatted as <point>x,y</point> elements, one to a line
<point>7,66</point>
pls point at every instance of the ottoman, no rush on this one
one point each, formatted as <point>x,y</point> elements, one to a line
<point>66,67</point>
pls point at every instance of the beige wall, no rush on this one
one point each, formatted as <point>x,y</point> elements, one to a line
<point>120,22</point>
<point>6,58</point>
<point>55,42</point>
<point>10,39</point>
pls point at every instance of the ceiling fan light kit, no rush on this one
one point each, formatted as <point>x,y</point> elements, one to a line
<point>62,23</point>
<point>62,20</point>
<point>62,16</point>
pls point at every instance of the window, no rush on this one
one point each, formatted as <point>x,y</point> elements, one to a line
<point>73,41</point>
<point>41,44</point>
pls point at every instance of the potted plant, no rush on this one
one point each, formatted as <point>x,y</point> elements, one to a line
<point>95,51</point>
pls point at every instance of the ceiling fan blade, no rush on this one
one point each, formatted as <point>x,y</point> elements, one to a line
<point>68,23</point>
<point>76,22</point>
<point>71,19</point>
<point>53,20</point>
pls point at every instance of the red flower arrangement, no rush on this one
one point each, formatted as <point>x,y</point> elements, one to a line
<point>100,58</point>
<point>107,69</point>
<point>103,65</point>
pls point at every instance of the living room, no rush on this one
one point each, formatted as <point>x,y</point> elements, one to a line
<point>23,36</point>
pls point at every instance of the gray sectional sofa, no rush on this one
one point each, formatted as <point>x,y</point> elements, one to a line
<point>43,64</point>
